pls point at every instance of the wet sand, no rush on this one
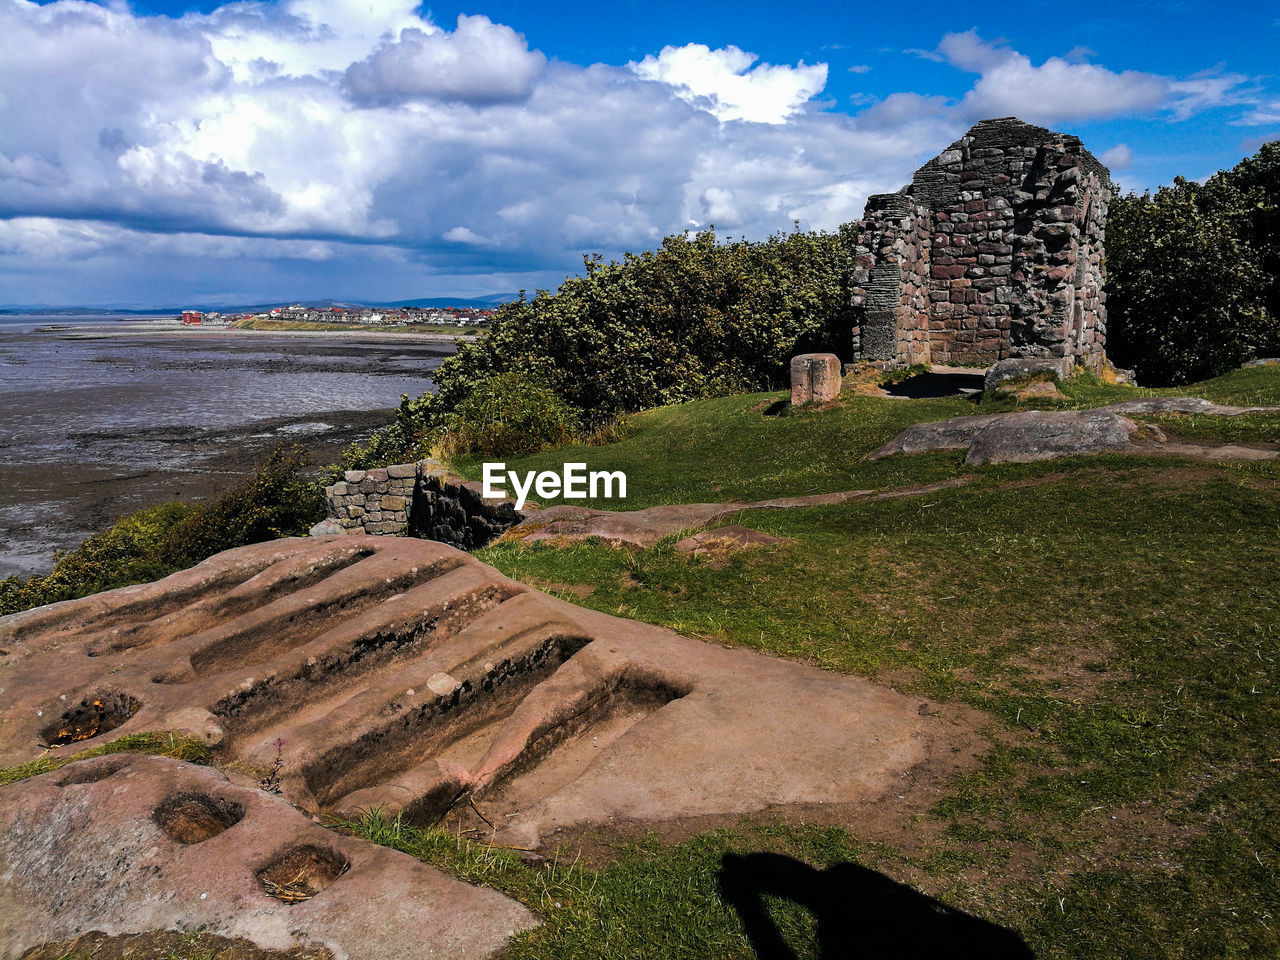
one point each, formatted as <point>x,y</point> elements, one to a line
<point>99,421</point>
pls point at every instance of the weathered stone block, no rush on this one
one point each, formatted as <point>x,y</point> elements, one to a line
<point>1021,367</point>
<point>815,378</point>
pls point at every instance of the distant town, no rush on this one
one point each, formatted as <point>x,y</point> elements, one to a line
<point>363,316</point>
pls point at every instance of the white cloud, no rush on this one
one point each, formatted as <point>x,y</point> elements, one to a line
<point>301,37</point>
<point>1118,157</point>
<point>1206,90</point>
<point>725,83</point>
<point>480,62</point>
<point>718,208</point>
<point>1057,90</point>
<point>1261,114</point>
<point>334,142</point>
<point>43,239</point>
<point>1069,88</point>
<point>860,68</point>
<point>465,235</point>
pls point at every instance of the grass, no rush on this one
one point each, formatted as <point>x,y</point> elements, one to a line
<point>1112,621</point>
<point>1115,618</point>
<point>728,449</point>
<point>652,902</point>
<point>173,745</point>
<point>1119,624</point>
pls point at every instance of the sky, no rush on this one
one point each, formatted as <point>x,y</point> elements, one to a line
<point>159,153</point>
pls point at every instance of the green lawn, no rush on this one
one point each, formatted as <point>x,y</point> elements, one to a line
<point>1111,622</point>
<point>1115,618</point>
<point>728,449</point>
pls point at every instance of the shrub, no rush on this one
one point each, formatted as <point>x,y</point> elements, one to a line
<point>274,501</point>
<point>509,413</point>
<point>406,439</point>
<point>1194,274</point>
<point>693,319</point>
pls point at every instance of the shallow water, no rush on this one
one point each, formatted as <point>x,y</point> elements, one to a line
<point>85,406</point>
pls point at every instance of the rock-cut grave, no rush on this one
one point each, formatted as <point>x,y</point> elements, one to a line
<point>360,673</point>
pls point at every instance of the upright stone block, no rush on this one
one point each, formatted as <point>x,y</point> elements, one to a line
<point>815,378</point>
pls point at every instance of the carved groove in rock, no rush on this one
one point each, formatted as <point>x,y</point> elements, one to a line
<point>405,674</point>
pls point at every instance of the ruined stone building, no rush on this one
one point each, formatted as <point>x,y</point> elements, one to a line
<point>994,250</point>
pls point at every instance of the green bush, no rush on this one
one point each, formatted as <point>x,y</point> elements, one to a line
<point>1193,274</point>
<point>509,413</point>
<point>274,501</point>
<point>406,439</point>
<point>693,319</point>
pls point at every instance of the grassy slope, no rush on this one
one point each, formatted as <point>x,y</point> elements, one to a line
<point>1114,619</point>
<point>725,449</point>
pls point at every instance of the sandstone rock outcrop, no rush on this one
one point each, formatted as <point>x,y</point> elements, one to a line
<point>401,673</point>
<point>127,844</point>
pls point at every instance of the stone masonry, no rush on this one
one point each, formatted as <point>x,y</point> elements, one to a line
<point>415,499</point>
<point>993,251</point>
<point>370,501</point>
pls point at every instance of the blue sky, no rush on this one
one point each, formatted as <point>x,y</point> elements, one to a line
<point>159,153</point>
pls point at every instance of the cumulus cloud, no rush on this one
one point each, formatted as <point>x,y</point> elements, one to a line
<point>306,142</point>
<point>725,84</point>
<point>1055,91</point>
<point>1119,157</point>
<point>480,62</point>
<point>1069,88</point>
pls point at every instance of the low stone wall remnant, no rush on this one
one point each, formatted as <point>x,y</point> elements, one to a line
<point>421,500</point>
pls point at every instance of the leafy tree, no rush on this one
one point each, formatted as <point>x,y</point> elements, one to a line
<point>1187,286</point>
<point>695,318</point>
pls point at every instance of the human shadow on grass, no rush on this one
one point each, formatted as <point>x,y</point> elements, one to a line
<point>860,914</point>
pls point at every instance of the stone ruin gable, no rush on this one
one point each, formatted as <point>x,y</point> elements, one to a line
<point>994,250</point>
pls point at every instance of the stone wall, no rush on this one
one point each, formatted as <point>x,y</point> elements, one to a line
<point>415,499</point>
<point>995,250</point>
<point>372,501</point>
<point>454,511</point>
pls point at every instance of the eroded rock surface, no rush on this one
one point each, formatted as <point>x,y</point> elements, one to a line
<point>406,674</point>
<point>1044,435</point>
<point>1184,405</point>
<point>111,845</point>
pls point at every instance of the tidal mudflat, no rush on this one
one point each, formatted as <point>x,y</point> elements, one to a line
<point>100,419</point>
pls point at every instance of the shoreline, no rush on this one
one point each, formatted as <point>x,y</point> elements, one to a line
<point>100,419</point>
<point>123,329</point>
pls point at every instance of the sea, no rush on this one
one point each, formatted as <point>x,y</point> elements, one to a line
<point>100,416</point>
